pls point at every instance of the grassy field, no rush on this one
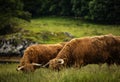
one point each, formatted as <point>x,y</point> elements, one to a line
<point>54,29</point>
<point>78,28</point>
<point>89,73</point>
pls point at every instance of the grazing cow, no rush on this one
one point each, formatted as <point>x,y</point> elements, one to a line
<point>37,55</point>
<point>89,50</point>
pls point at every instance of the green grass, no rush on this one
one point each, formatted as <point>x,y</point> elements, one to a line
<point>76,27</point>
<point>89,73</point>
<point>50,30</point>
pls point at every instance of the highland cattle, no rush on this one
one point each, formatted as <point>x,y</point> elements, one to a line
<point>88,50</point>
<point>36,56</point>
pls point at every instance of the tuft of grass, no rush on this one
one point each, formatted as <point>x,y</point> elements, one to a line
<point>89,73</point>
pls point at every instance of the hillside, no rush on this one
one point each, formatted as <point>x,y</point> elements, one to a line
<point>57,29</point>
<point>47,30</point>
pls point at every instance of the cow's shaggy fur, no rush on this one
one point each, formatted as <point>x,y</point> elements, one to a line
<point>89,50</point>
<point>40,54</point>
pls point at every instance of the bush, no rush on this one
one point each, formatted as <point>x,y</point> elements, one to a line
<point>104,10</point>
<point>80,7</point>
<point>97,10</point>
<point>47,7</point>
<point>10,9</point>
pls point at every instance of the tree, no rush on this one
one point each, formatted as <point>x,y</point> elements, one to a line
<point>105,10</point>
<point>80,7</point>
<point>66,8</point>
<point>33,6</point>
<point>48,7</point>
<point>9,10</point>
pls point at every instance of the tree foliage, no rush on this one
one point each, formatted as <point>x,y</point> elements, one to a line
<point>80,7</point>
<point>10,10</point>
<point>105,10</point>
<point>48,7</point>
<point>96,10</point>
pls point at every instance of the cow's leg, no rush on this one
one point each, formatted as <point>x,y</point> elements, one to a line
<point>79,63</point>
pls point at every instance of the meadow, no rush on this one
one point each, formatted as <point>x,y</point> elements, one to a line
<point>76,27</point>
<point>89,73</point>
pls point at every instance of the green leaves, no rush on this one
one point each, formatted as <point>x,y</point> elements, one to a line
<point>97,10</point>
<point>10,9</point>
<point>104,10</point>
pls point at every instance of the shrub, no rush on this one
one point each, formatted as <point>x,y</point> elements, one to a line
<point>104,10</point>
<point>10,9</point>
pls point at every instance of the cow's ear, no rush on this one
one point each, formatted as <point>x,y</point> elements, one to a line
<point>60,61</point>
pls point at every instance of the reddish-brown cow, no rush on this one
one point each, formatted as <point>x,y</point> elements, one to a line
<point>37,55</point>
<point>89,50</point>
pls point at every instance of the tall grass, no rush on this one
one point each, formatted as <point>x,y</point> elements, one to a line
<point>89,73</point>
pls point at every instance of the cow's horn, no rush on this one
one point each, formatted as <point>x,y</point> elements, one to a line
<point>36,64</point>
<point>60,61</point>
<point>46,64</point>
<point>18,69</point>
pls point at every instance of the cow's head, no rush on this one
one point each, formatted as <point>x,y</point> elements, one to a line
<point>56,64</point>
<point>28,67</point>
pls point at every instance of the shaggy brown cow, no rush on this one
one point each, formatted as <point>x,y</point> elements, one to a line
<point>37,55</point>
<point>88,50</point>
